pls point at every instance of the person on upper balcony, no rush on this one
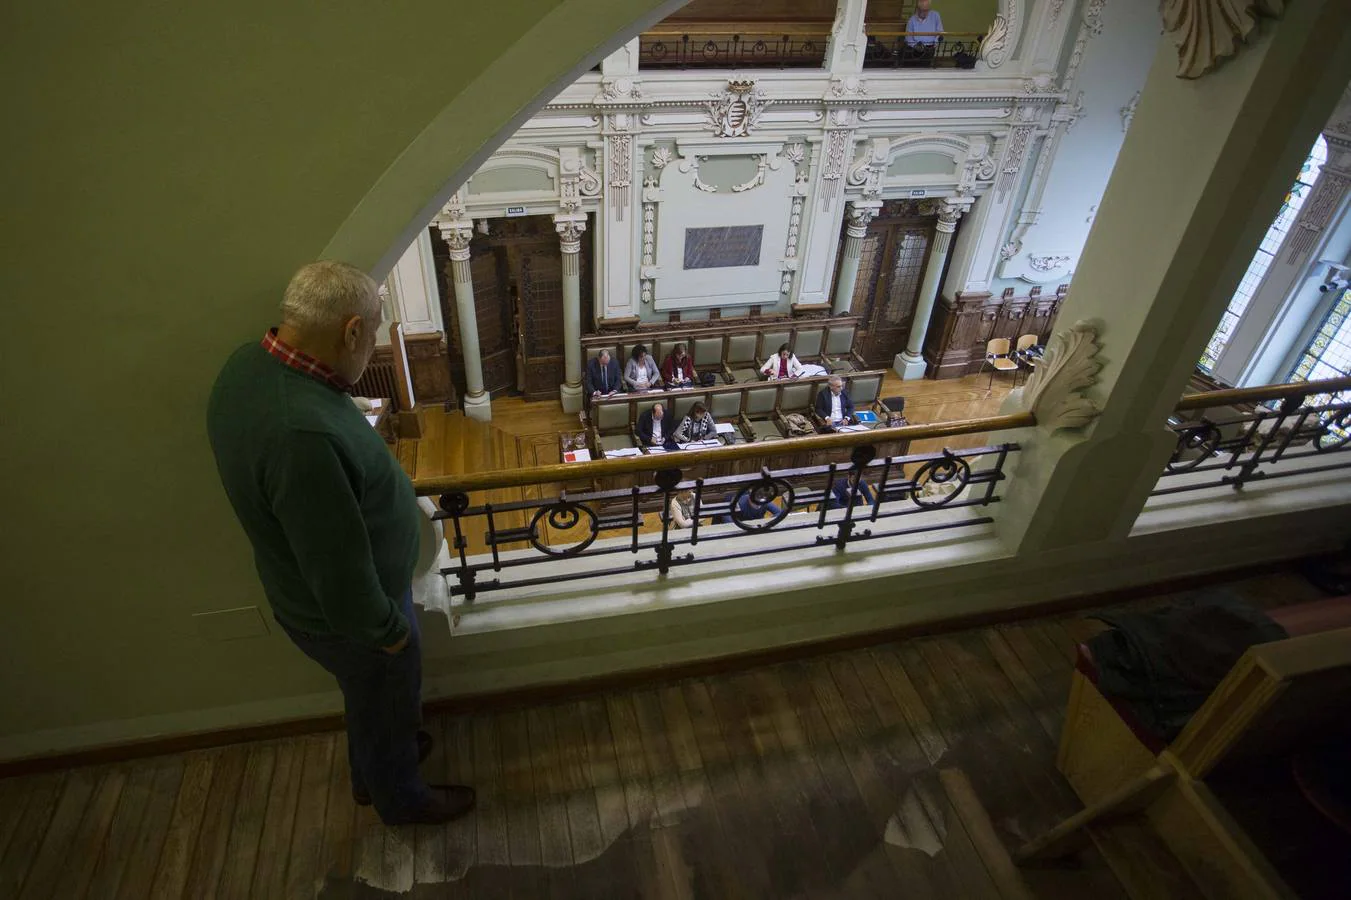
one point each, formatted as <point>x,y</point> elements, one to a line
<point>678,369</point>
<point>641,374</point>
<point>783,364</point>
<point>925,27</point>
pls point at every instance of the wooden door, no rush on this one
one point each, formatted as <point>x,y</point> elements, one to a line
<point>492,309</point>
<point>537,277</point>
<point>891,268</point>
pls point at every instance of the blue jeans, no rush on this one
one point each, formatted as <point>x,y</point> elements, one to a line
<point>382,697</point>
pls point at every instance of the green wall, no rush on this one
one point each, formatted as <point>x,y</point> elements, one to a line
<point>166,167</point>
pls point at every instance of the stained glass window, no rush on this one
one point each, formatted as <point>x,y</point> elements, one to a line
<point>1266,252</point>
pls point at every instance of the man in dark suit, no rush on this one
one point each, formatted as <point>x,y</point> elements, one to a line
<point>653,428</point>
<point>833,405</point>
<point>602,376</point>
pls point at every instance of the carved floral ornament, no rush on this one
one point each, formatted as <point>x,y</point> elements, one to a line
<point>1208,31</point>
<point>1055,392</point>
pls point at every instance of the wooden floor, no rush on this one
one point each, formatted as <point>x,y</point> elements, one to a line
<point>902,771</point>
<point>525,434</point>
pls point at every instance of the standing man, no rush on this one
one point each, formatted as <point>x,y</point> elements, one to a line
<point>925,30</point>
<point>334,526</point>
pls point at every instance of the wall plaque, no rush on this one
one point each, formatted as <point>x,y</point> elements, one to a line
<point>723,247</point>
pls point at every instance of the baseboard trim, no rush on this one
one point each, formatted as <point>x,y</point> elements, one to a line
<point>544,693</point>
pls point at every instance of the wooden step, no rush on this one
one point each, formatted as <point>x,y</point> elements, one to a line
<point>1141,861</point>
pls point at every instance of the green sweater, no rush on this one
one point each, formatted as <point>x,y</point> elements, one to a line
<point>332,518</point>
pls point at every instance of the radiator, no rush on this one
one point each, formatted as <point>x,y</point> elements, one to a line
<point>379,380</point>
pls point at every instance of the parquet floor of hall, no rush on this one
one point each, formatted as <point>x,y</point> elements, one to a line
<point>904,770</point>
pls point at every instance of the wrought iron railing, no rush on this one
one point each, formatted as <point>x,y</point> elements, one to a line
<point>605,531</point>
<point>1276,431</point>
<point>744,47</point>
<point>900,50</point>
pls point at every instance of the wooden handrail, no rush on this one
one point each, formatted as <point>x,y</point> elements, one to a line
<point>1262,394</point>
<point>484,481</point>
<point>791,28</point>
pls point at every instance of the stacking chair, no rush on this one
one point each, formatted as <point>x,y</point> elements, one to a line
<point>997,358</point>
<point>1027,364</point>
<point>739,365</point>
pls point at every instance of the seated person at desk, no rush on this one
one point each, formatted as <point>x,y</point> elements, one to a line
<point>652,428</point>
<point>641,373</point>
<point>697,426</point>
<point>681,510</point>
<point>833,406</point>
<point>678,369</point>
<point>602,376</point>
<point>783,364</point>
<point>841,488</point>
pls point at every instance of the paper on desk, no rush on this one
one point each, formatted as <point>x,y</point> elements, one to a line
<point>725,428</point>
<point>656,449</point>
<point>372,420</point>
<point>582,455</point>
<point>623,451</point>
<point>853,428</point>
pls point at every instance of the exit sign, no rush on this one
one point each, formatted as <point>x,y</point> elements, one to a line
<point>513,211</point>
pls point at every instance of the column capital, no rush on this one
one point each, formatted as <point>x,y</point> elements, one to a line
<point>570,227</point>
<point>949,212</point>
<point>457,233</point>
<point>859,213</point>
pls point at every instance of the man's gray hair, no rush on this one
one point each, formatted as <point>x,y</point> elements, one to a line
<point>327,293</point>
<point>835,379</point>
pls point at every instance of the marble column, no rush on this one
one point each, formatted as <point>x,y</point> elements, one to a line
<point>570,227</point>
<point>859,214</point>
<point>909,363</point>
<point>1168,246</point>
<point>457,235</point>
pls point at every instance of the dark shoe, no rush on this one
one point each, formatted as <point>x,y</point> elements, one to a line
<point>425,743</point>
<point>451,802</point>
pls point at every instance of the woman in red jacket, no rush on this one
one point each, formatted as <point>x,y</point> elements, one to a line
<point>678,369</point>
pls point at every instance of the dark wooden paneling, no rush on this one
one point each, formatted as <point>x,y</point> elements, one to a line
<point>955,343</point>
<point>538,275</point>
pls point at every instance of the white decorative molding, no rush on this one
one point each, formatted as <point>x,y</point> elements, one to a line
<point>1324,201</point>
<point>857,216</point>
<point>1014,154</point>
<point>995,48</point>
<point>794,235</point>
<point>570,227</point>
<point>763,163</point>
<point>846,87</point>
<point>648,271</point>
<point>690,163</point>
<point>1128,111</point>
<point>795,152</point>
<point>661,157</point>
<point>1093,16</point>
<point>619,90</point>
<point>1068,114</point>
<point>1010,250</point>
<point>734,111</point>
<point>575,180</point>
<point>1056,7</point>
<point>1048,263</point>
<point>1209,31</point>
<point>834,154</point>
<point>1055,392</point>
<point>868,169</point>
